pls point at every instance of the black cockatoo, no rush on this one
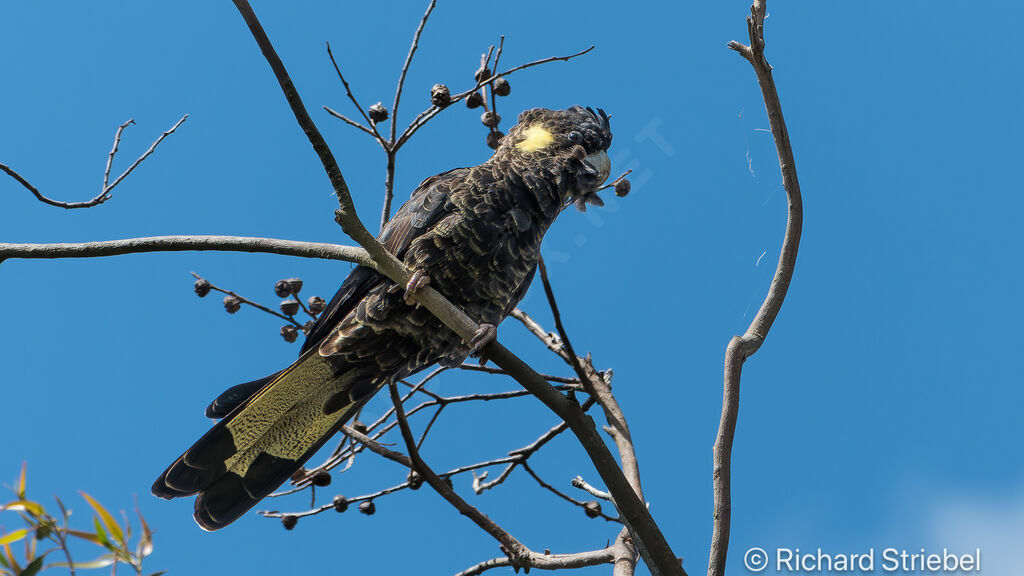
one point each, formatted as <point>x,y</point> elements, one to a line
<point>474,234</point>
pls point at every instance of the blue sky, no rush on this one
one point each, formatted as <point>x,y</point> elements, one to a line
<point>882,411</point>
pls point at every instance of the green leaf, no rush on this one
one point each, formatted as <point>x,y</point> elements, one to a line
<point>102,534</point>
<point>32,568</point>
<point>25,506</point>
<point>108,520</point>
<point>160,573</point>
<point>13,536</point>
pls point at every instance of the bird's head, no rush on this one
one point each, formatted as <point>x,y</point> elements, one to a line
<point>570,144</point>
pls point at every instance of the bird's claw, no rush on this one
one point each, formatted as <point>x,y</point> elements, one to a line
<point>485,334</point>
<point>418,280</point>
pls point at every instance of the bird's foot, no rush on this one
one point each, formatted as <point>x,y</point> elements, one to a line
<point>418,280</point>
<point>486,334</point>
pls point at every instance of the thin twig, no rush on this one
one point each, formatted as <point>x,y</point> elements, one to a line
<point>244,300</point>
<point>582,484</point>
<point>492,370</point>
<point>405,68</point>
<point>560,494</point>
<point>113,152</point>
<point>152,148</point>
<point>742,347</point>
<point>547,561</point>
<point>494,96</point>
<point>372,130</point>
<point>104,194</point>
<point>615,182</point>
<point>376,447</point>
<point>430,424</point>
<point>349,121</point>
<point>391,149</point>
<point>550,339</point>
<point>574,360</point>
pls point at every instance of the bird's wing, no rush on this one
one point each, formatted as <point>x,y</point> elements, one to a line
<point>360,281</point>
<point>427,204</point>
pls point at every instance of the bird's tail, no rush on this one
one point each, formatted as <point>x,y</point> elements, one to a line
<point>265,439</point>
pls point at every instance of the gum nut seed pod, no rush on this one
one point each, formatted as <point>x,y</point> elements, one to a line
<point>294,284</point>
<point>501,87</point>
<point>440,96</point>
<point>494,139</point>
<point>202,287</point>
<point>378,113</point>
<point>289,307</point>
<point>289,333</point>
<point>316,304</point>
<point>232,304</point>
<point>490,119</point>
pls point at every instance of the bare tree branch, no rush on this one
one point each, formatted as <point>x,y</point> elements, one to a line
<point>742,347</point>
<point>104,194</point>
<point>186,244</point>
<point>516,551</point>
<point>548,561</point>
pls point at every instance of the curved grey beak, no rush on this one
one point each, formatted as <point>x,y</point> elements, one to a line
<point>601,164</point>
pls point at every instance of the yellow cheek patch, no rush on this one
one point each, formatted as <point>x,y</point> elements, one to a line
<point>535,138</point>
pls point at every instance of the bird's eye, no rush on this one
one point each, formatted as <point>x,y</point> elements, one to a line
<point>575,137</point>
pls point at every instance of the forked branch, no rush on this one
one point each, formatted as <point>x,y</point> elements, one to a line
<point>108,186</point>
